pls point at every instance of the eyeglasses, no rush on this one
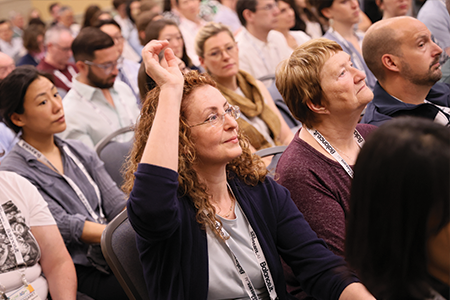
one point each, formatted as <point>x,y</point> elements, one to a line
<point>268,7</point>
<point>215,119</point>
<point>63,49</point>
<point>107,67</point>
<point>218,53</point>
<point>118,38</point>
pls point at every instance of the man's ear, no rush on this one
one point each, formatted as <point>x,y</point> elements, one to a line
<point>390,62</point>
<point>82,67</point>
<point>17,119</point>
<point>327,13</point>
<point>248,15</point>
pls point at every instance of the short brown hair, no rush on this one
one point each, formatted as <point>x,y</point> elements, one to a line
<point>298,77</point>
<point>30,35</point>
<point>209,30</point>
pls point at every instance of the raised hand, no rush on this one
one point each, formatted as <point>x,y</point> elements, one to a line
<point>169,76</point>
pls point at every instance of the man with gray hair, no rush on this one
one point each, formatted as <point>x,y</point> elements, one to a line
<point>402,55</point>
<point>65,19</point>
<point>58,41</point>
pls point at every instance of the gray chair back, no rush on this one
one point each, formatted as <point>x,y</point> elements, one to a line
<point>113,154</point>
<point>118,244</point>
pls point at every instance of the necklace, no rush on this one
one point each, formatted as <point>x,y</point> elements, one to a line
<point>233,200</point>
<point>342,152</point>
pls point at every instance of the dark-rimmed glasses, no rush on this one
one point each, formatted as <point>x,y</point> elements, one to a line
<point>107,67</point>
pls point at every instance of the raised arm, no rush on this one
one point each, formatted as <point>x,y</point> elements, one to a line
<point>162,144</point>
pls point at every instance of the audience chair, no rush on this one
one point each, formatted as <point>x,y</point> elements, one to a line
<point>272,151</point>
<point>118,244</point>
<point>113,153</point>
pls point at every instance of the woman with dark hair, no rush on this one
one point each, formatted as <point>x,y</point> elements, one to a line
<point>91,15</point>
<point>343,16</point>
<point>209,224</point>
<point>261,120</point>
<point>163,29</point>
<point>398,233</point>
<point>133,9</point>
<point>327,94</point>
<point>69,175</point>
<point>306,20</point>
<point>33,41</point>
<point>286,21</point>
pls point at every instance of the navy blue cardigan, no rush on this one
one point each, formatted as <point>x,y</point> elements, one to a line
<point>173,246</point>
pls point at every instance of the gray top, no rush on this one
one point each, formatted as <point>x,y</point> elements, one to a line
<point>224,280</point>
<point>67,209</point>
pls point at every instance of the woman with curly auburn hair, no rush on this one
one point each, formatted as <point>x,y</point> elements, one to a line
<point>209,223</point>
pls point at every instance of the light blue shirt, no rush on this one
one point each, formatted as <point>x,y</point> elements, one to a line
<point>90,117</point>
<point>7,139</point>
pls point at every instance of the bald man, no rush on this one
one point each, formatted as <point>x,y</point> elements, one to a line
<point>403,57</point>
<point>7,137</point>
<point>6,65</point>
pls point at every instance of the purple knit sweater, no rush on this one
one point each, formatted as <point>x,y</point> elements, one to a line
<point>320,188</point>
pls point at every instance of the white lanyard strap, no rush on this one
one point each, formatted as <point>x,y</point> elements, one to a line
<point>12,238</point>
<point>264,267</point>
<point>63,77</point>
<point>73,185</point>
<point>327,146</point>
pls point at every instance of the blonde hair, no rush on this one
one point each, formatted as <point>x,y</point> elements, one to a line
<point>247,167</point>
<point>298,77</point>
<point>209,30</point>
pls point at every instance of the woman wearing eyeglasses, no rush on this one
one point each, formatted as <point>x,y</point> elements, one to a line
<point>209,224</point>
<point>261,121</point>
<point>69,175</point>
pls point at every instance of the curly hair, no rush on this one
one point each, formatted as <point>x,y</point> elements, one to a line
<point>247,167</point>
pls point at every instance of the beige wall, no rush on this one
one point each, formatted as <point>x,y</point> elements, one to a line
<point>24,6</point>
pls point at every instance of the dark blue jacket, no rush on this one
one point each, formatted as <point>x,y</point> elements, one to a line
<point>27,59</point>
<point>384,107</point>
<point>173,246</point>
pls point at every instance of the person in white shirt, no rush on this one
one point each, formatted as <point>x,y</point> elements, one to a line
<point>261,48</point>
<point>12,46</point>
<point>48,266</point>
<point>190,24</point>
<point>97,104</point>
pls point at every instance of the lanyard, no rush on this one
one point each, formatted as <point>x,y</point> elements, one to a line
<point>327,146</point>
<point>256,247</point>
<point>73,185</point>
<point>63,77</point>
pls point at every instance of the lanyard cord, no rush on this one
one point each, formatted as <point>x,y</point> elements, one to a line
<point>327,146</point>
<point>264,267</point>
<point>40,157</point>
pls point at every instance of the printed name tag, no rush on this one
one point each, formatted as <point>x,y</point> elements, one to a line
<point>24,293</point>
